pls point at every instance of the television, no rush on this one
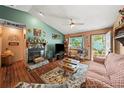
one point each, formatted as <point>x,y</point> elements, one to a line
<point>59,48</point>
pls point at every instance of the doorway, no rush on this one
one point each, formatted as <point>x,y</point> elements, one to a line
<point>12,45</point>
<point>101,44</point>
<point>98,45</point>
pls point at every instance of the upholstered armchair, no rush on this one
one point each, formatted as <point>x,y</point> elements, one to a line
<point>73,53</point>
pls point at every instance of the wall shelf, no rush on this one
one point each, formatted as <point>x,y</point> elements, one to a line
<point>118,32</point>
<point>120,36</point>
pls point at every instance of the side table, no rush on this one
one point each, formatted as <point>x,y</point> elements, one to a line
<point>6,59</point>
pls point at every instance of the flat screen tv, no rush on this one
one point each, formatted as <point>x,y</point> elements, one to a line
<point>59,48</point>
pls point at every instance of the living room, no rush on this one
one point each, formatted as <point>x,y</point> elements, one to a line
<point>44,46</point>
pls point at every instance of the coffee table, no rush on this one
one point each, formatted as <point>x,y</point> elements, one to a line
<point>75,70</point>
<point>70,65</point>
<point>74,74</point>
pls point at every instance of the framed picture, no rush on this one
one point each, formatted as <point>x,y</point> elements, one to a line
<point>56,36</point>
<point>13,40</point>
<point>37,32</point>
<point>13,43</point>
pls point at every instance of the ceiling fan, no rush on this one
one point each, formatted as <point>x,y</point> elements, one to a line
<point>73,24</point>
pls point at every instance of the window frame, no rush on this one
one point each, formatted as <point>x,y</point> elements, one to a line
<point>82,37</point>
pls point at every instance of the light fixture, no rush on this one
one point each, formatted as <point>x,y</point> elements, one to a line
<point>13,5</point>
<point>24,32</point>
<point>72,25</point>
<point>13,30</point>
<point>41,14</point>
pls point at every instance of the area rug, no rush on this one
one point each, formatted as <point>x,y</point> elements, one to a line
<point>54,76</point>
<point>38,85</point>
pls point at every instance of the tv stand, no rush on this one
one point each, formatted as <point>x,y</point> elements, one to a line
<point>59,55</point>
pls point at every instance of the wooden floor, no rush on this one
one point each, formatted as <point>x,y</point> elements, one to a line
<point>17,72</point>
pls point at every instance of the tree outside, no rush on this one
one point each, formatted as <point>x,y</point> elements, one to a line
<point>98,42</point>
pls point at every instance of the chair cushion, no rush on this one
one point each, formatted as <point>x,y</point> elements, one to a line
<point>100,60</point>
<point>97,76</point>
<point>113,63</point>
<point>73,52</point>
<point>97,68</point>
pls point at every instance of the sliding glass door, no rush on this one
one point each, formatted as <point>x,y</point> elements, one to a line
<point>98,45</point>
<point>101,44</point>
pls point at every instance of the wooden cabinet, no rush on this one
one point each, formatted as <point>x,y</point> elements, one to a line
<point>118,32</point>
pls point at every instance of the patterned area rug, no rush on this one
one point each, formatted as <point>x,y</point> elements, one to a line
<point>36,85</point>
<point>54,76</point>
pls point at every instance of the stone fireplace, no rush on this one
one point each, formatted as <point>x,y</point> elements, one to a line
<point>34,53</point>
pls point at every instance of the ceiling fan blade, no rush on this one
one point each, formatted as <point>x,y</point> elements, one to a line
<point>70,21</point>
<point>79,23</point>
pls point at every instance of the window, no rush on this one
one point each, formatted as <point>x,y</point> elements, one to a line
<point>76,42</point>
<point>98,45</point>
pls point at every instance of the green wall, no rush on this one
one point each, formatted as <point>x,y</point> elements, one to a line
<point>32,22</point>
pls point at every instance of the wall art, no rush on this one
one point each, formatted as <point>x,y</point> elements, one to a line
<point>37,32</point>
<point>56,36</point>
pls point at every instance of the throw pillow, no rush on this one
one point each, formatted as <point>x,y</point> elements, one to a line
<point>100,60</point>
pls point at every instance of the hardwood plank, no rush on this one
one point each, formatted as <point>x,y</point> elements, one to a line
<point>0,76</point>
<point>17,72</point>
<point>4,78</point>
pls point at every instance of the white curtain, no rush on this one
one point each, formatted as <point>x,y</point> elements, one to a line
<point>108,42</point>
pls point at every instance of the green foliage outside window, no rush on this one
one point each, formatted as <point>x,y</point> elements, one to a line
<point>98,42</point>
<point>76,42</point>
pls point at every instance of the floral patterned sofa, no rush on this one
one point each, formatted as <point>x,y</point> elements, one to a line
<point>106,73</point>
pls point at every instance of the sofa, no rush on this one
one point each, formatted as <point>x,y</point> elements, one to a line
<point>106,72</point>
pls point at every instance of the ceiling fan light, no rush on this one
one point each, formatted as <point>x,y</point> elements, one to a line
<point>72,25</point>
<point>41,14</point>
<point>13,5</point>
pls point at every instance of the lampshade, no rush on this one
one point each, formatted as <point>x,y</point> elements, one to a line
<point>24,30</point>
